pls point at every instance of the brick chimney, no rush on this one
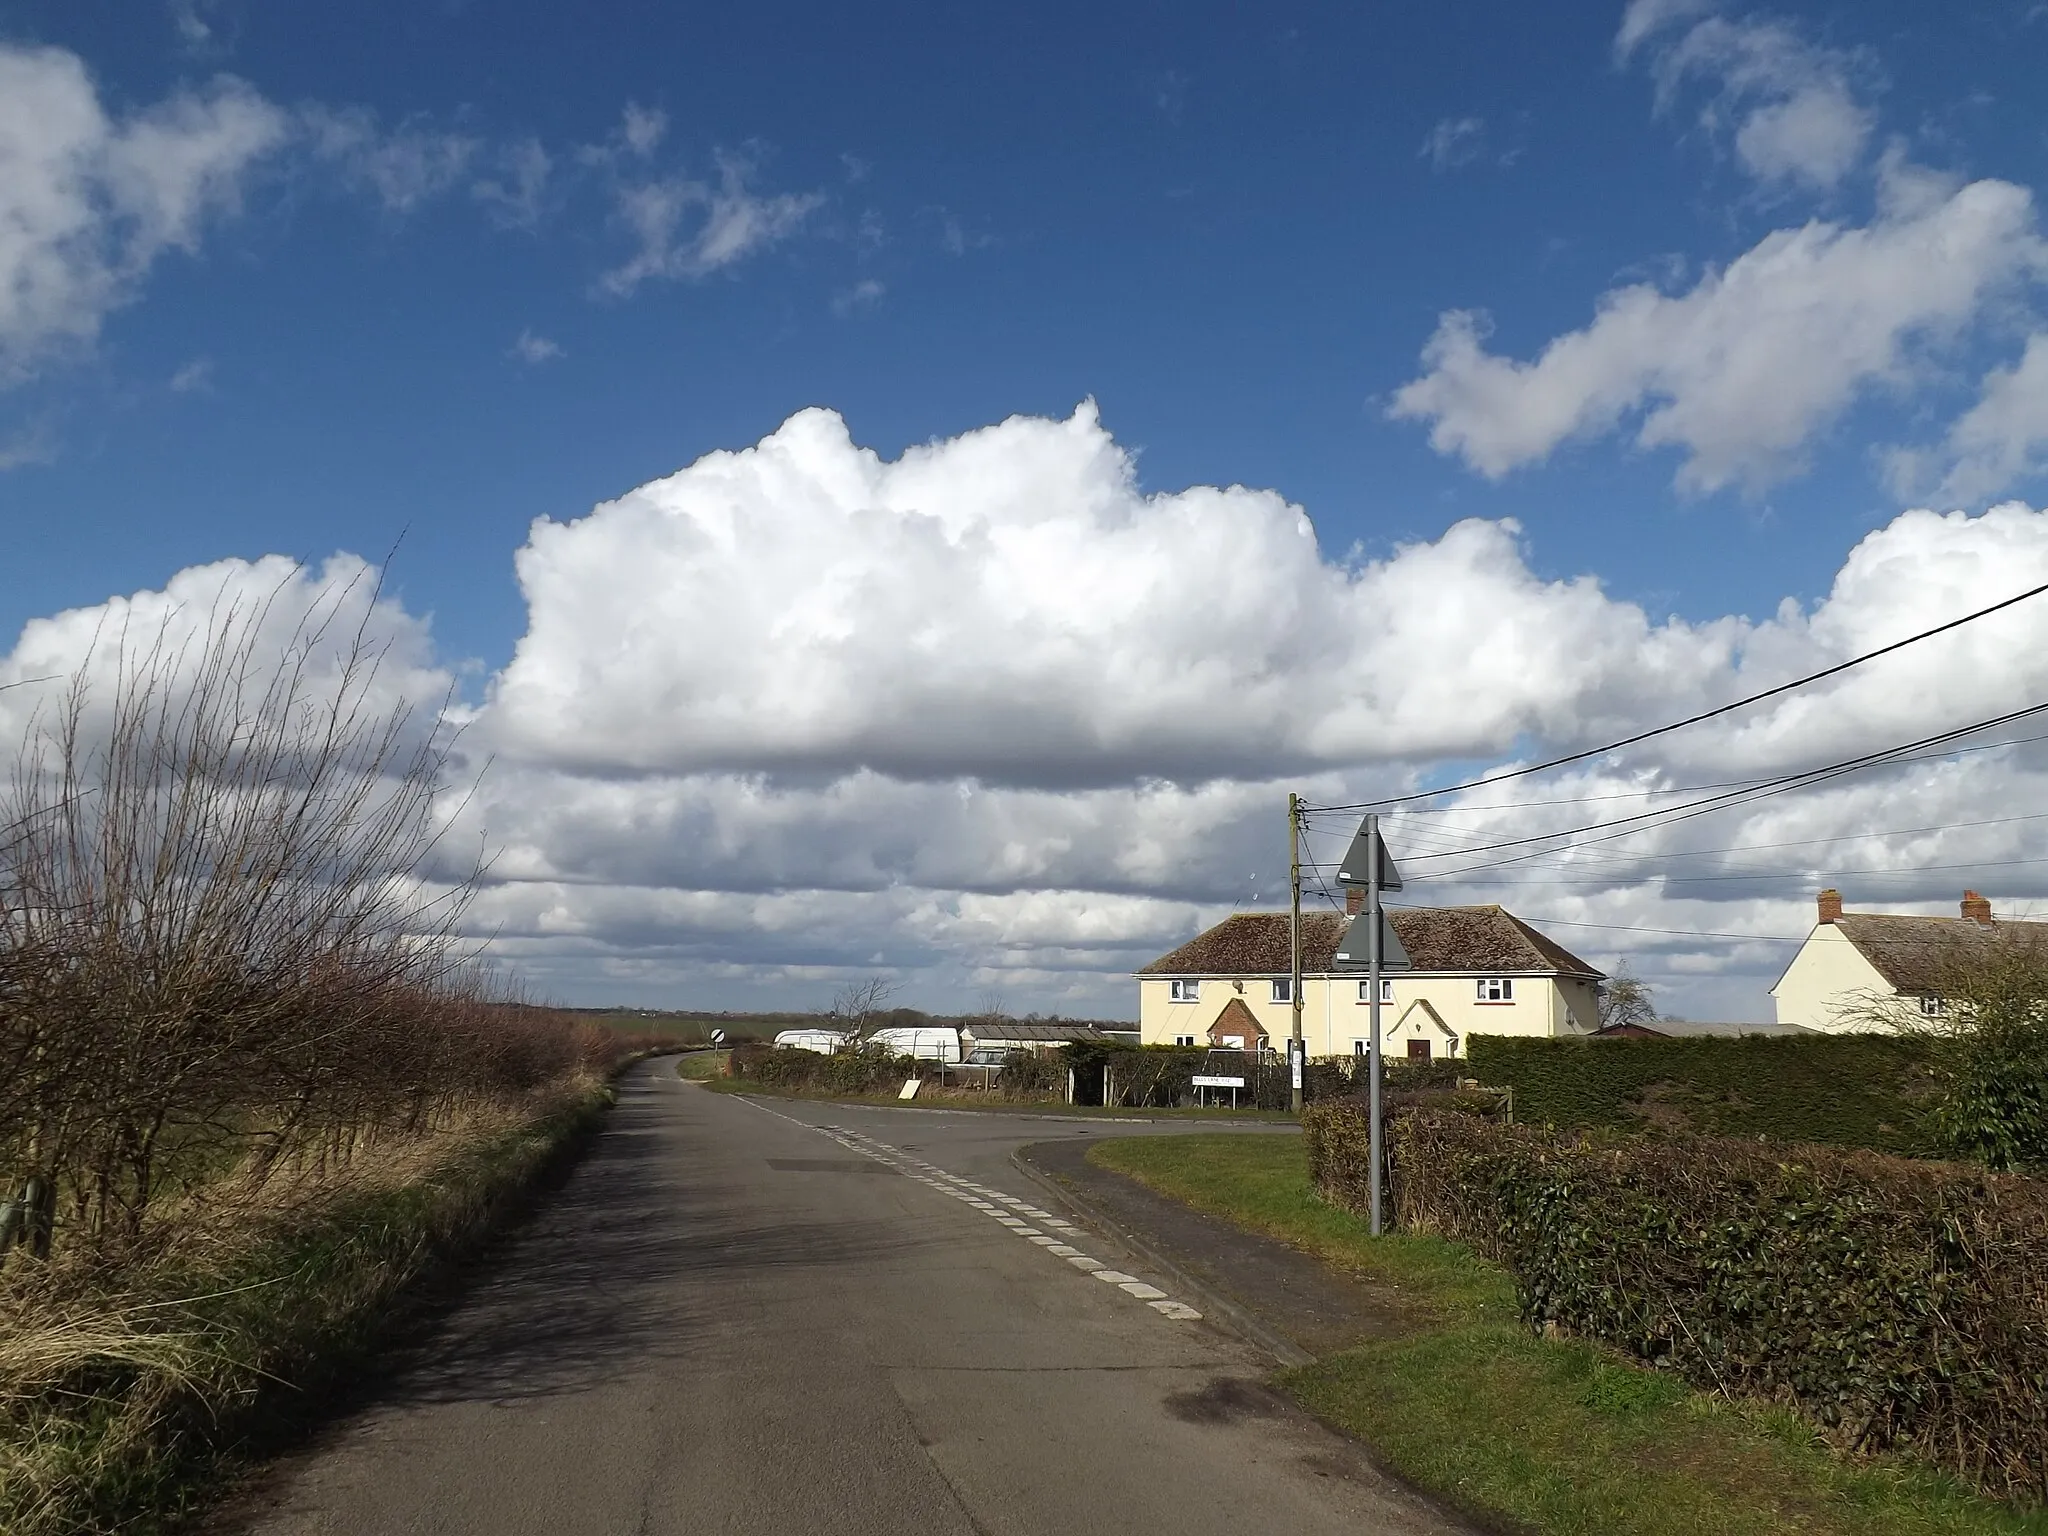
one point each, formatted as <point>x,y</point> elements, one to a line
<point>1354,899</point>
<point>1976,908</point>
<point>1830,905</point>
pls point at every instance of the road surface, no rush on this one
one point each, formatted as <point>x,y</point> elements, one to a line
<point>731,1319</point>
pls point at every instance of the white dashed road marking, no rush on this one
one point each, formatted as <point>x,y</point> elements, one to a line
<point>980,1197</point>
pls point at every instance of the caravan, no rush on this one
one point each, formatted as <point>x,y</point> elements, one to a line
<point>929,1044</point>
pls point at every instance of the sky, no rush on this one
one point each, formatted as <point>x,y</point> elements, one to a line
<point>909,490</point>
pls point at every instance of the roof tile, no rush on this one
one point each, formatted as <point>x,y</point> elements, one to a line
<point>1436,938</point>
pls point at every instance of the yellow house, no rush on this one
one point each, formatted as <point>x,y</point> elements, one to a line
<point>1856,965</point>
<point>1476,970</point>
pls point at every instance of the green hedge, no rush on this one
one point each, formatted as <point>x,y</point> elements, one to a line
<point>870,1070</point>
<point>1844,1090</point>
<point>1893,1303</point>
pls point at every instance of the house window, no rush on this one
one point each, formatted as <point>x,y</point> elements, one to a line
<point>1186,991</point>
<point>1496,989</point>
<point>1183,1039</point>
<point>1283,989</point>
<point>1359,1048</point>
<point>1386,990</point>
<point>1934,1007</point>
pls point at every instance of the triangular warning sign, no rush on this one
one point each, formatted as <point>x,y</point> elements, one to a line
<point>1356,871</point>
<point>1354,955</point>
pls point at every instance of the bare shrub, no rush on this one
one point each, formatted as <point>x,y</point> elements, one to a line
<point>222,944</point>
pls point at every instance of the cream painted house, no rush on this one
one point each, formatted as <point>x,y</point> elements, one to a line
<point>1477,970</point>
<point>1854,963</point>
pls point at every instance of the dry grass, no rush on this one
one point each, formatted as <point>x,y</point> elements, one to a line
<point>119,1404</point>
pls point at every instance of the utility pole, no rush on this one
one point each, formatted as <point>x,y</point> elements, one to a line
<point>1372,980</point>
<point>1294,947</point>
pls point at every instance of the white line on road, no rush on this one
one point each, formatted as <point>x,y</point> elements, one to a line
<point>999,1205</point>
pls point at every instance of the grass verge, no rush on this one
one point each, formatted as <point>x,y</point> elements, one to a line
<point>702,1066</point>
<point>1546,1435</point>
<point>211,1356</point>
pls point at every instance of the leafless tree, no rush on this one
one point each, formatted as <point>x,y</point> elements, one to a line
<point>1625,999</point>
<point>857,1006</point>
<point>219,935</point>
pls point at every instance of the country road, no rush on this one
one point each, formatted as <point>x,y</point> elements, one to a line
<point>733,1319</point>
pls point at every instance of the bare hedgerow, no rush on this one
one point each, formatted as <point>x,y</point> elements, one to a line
<point>220,948</point>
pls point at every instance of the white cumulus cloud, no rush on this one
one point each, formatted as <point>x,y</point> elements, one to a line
<point>1741,371</point>
<point>990,714</point>
<point>1009,604</point>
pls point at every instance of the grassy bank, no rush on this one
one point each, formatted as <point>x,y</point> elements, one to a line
<point>120,1408</point>
<point>1550,1435</point>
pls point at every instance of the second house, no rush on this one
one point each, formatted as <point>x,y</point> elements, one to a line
<point>1475,970</point>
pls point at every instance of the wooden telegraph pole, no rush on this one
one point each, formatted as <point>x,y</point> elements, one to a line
<point>1294,947</point>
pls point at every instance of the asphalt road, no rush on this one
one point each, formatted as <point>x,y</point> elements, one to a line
<point>732,1320</point>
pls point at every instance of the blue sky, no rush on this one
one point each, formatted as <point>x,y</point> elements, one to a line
<point>1221,224</point>
<point>413,300</point>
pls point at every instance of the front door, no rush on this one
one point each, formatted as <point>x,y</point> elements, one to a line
<point>1418,1050</point>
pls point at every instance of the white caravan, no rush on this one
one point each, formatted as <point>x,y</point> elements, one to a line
<point>824,1041</point>
<point>940,1045</point>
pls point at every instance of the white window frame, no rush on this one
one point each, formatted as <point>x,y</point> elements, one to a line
<point>1361,1048</point>
<point>1182,990</point>
<point>1283,989</point>
<point>1494,989</point>
<point>1183,1039</point>
<point>1386,991</point>
<point>1933,1007</point>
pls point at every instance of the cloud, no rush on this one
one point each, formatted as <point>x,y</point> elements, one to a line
<point>406,166</point>
<point>1997,443</point>
<point>1789,106</point>
<point>1008,605</point>
<point>196,377</point>
<point>89,201</point>
<point>1454,142</point>
<point>989,714</point>
<point>515,194</point>
<point>286,610</point>
<point>1741,371</point>
<point>863,295</point>
<point>534,350</point>
<point>727,223</point>
<point>187,17</point>
<point>33,444</point>
<point>1002,717</point>
<point>643,129</point>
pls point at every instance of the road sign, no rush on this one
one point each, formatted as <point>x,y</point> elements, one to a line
<point>1217,1082</point>
<point>1352,951</point>
<point>1357,866</point>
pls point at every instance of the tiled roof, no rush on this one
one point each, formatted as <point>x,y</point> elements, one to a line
<point>1914,954</point>
<point>1436,938</point>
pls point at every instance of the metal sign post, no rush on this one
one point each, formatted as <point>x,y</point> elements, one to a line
<point>1369,865</point>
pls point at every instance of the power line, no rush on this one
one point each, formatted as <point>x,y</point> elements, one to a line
<point>1789,874</point>
<point>1709,714</point>
<point>1802,780</point>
